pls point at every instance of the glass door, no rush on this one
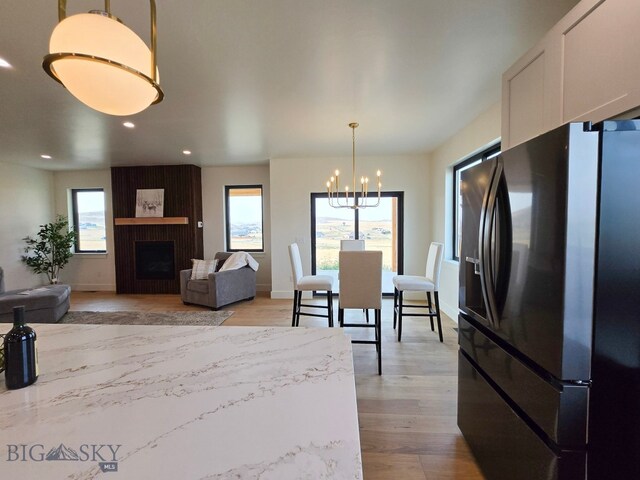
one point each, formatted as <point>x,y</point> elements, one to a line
<point>380,227</point>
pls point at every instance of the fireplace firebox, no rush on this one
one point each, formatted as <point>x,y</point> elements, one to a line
<point>155,260</point>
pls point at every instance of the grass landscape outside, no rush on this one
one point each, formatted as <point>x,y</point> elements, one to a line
<point>375,228</point>
<point>92,231</point>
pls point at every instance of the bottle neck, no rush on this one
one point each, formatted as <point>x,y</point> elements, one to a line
<point>18,316</point>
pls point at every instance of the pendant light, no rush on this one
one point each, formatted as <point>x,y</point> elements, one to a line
<point>352,199</point>
<point>103,63</point>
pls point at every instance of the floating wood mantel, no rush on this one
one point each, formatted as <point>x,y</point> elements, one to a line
<point>153,221</point>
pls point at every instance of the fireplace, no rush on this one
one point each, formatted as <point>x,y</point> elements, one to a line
<point>155,261</point>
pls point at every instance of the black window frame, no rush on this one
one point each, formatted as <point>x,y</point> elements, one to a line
<point>76,220</point>
<point>398,194</point>
<point>482,156</point>
<point>227,225</point>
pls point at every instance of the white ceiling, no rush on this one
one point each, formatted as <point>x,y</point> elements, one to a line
<point>249,80</point>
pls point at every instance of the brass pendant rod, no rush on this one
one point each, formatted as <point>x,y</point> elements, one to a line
<point>154,41</point>
<point>353,161</point>
<point>107,6</point>
<point>62,10</point>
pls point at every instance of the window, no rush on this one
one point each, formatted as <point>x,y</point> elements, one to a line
<point>89,220</point>
<point>244,218</point>
<point>381,228</point>
<point>487,154</point>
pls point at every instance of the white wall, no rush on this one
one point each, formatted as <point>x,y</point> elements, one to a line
<point>292,182</point>
<point>87,271</point>
<point>26,202</point>
<point>479,134</point>
<point>214,179</point>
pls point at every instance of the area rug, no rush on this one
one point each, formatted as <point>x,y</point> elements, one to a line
<point>147,318</point>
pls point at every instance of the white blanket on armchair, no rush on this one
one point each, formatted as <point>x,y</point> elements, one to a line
<point>238,260</point>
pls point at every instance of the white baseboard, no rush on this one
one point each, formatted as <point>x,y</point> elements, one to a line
<point>450,311</point>
<point>263,287</point>
<point>88,287</point>
<point>281,295</point>
<point>288,295</point>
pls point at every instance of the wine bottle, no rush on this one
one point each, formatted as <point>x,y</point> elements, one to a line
<point>20,353</point>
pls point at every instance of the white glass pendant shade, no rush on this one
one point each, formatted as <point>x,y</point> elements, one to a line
<point>110,70</point>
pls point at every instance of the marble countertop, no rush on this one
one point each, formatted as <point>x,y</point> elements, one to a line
<point>174,402</point>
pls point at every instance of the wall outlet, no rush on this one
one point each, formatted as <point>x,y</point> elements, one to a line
<point>199,224</point>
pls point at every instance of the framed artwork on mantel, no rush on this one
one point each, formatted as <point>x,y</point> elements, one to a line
<point>149,202</point>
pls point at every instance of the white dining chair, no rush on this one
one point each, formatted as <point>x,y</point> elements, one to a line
<point>361,288</point>
<point>413,283</point>
<point>352,245</point>
<point>308,283</point>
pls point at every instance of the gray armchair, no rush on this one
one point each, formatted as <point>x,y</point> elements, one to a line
<point>221,288</point>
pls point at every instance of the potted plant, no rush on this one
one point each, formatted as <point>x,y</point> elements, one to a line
<point>50,251</point>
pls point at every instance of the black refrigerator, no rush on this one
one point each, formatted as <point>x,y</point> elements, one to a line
<point>549,306</point>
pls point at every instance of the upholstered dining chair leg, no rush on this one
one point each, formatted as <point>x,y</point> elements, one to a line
<point>375,329</point>
<point>400,302</point>
<point>395,307</point>
<point>295,306</point>
<point>366,314</point>
<point>378,320</point>
<point>435,294</point>
<point>298,312</point>
<point>340,316</point>
<point>330,307</point>
<point>430,307</point>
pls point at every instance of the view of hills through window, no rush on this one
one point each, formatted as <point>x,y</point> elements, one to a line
<point>244,218</point>
<point>90,221</point>
<point>376,226</point>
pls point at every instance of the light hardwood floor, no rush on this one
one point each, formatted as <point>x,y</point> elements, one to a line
<point>407,416</point>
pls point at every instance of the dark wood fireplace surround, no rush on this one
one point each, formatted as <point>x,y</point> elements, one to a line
<point>182,186</point>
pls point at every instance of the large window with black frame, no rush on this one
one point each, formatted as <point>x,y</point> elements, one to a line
<point>382,228</point>
<point>88,210</point>
<point>460,167</point>
<point>244,222</point>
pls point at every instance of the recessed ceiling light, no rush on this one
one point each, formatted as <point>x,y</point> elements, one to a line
<point>47,157</point>
<point>129,124</point>
<point>186,152</point>
<point>4,63</point>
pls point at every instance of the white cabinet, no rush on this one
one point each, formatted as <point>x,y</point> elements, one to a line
<point>586,68</point>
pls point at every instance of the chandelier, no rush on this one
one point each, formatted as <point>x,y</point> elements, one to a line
<point>103,63</point>
<point>352,199</point>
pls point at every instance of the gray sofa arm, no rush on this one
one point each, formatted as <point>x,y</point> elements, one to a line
<point>232,286</point>
<point>185,276</point>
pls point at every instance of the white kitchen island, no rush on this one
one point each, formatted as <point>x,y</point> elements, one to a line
<point>174,402</point>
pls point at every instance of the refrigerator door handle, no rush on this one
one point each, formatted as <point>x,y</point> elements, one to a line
<point>476,264</point>
<point>487,218</point>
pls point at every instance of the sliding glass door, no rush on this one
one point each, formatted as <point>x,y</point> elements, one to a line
<point>380,227</point>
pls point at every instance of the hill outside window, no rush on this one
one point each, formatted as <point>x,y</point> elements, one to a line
<point>244,221</point>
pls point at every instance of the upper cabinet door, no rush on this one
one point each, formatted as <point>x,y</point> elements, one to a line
<point>523,99</point>
<point>586,68</point>
<point>602,63</point>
